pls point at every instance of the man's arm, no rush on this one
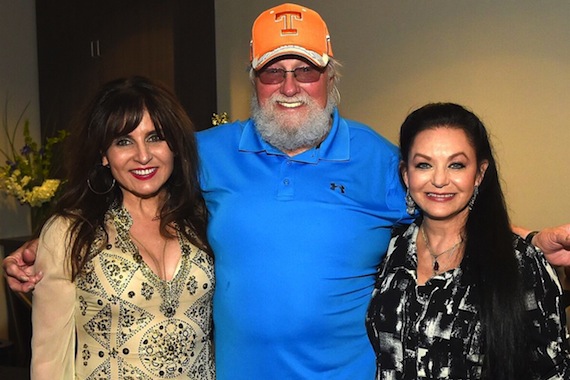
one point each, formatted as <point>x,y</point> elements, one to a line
<point>19,269</point>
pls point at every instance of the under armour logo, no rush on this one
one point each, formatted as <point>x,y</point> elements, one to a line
<point>334,186</point>
<point>287,18</point>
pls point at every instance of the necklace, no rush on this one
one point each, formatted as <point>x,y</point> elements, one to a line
<point>436,256</point>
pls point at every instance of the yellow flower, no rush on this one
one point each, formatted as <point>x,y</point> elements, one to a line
<point>26,174</point>
<point>218,119</point>
<point>43,193</point>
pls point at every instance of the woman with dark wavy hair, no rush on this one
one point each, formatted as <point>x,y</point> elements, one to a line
<point>459,296</point>
<point>128,273</point>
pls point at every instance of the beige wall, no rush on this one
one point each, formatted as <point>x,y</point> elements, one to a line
<point>507,60</point>
<point>18,84</point>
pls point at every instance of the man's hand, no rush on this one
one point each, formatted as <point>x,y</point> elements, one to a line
<point>555,243</point>
<point>19,269</point>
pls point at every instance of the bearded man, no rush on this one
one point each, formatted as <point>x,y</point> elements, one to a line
<point>301,205</point>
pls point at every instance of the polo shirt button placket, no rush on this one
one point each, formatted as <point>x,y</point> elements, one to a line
<point>286,188</point>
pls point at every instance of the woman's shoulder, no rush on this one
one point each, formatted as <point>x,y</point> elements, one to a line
<point>57,230</point>
<point>535,269</point>
<point>404,229</point>
<point>53,245</point>
<point>402,236</point>
<point>526,252</point>
<point>57,224</point>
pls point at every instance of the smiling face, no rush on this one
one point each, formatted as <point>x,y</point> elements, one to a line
<point>292,115</point>
<point>290,96</point>
<point>141,162</point>
<point>442,171</point>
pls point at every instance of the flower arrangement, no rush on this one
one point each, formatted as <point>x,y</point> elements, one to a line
<point>218,119</point>
<point>26,174</point>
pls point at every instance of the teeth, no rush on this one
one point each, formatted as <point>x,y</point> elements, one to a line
<point>144,171</point>
<point>440,195</point>
<point>291,104</point>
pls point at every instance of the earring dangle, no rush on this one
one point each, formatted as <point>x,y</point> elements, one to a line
<point>473,197</point>
<point>410,204</point>
<point>105,178</point>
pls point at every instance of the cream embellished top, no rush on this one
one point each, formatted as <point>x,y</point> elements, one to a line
<point>118,319</point>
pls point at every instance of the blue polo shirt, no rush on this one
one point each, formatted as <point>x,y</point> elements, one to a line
<point>297,241</point>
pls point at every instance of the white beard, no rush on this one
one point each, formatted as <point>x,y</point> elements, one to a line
<point>290,131</point>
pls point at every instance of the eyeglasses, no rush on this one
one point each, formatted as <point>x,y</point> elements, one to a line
<point>305,74</point>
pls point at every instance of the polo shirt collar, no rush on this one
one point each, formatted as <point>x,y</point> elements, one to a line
<point>335,147</point>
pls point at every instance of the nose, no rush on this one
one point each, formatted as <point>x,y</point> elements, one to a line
<point>144,154</point>
<point>440,178</point>
<point>289,86</point>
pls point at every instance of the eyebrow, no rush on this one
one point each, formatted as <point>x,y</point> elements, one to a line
<point>426,157</point>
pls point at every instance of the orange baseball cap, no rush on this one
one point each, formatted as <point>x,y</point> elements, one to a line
<point>289,29</point>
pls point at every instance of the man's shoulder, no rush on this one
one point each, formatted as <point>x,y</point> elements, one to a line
<point>222,130</point>
<point>360,132</point>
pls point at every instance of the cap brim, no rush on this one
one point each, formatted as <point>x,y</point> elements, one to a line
<point>313,57</point>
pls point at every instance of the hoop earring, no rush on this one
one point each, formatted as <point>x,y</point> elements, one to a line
<point>410,204</point>
<point>92,177</point>
<point>473,197</point>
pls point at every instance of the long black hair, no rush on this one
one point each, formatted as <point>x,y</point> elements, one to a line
<point>489,262</point>
<point>116,110</point>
